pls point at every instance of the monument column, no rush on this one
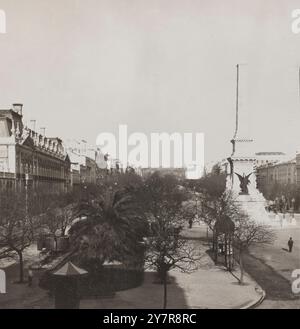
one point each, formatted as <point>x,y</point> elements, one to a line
<point>242,178</point>
<point>242,160</point>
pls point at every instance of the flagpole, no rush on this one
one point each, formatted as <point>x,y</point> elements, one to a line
<point>237,100</point>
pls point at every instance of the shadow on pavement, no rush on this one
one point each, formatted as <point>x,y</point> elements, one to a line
<point>149,295</point>
<point>275,286</point>
<point>284,249</point>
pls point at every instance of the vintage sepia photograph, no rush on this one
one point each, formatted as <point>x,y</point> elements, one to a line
<point>149,157</point>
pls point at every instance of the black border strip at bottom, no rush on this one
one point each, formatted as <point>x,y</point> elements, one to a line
<point>90,319</point>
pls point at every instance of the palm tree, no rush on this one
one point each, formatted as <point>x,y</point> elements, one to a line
<point>111,227</point>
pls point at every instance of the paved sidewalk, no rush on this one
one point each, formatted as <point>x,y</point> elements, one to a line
<point>21,296</point>
<point>209,287</point>
<point>277,255</point>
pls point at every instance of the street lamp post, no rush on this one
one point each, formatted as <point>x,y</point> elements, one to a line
<point>26,189</point>
<point>293,207</point>
<point>207,232</point>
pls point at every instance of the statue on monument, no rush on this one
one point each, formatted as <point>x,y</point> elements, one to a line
<point>231,166</point>
<point>244,182</point>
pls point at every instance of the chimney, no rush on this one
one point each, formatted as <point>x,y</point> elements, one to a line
<point>17,107</point>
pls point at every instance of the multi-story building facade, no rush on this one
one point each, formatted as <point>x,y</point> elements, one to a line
<point>28,158</point>
<point>282,173</point>
<point>84,168</point>
<point>298,168</point>
<point>263,158</point>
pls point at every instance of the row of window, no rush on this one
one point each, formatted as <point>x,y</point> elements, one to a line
<point>6,184</point>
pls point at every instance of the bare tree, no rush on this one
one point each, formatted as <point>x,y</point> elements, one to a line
<point>16,228</point>
<point>166,248</point>
<point>212,184</point>
<point>57,214</point>
<point>248,233</point>
<point>212,199</point>
<point>214,209</point>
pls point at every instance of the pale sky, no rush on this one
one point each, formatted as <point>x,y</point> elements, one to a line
<point>82,67</point>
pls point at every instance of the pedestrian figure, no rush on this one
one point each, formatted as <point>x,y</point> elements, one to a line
<point>190,223</point>
<point>290,244</point>
<point>30,277</point>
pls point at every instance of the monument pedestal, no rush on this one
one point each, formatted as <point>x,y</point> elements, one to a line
<point>242,176</point>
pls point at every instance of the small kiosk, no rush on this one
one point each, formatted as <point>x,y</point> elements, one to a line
<point>66,283</point>
<point>223,240</point>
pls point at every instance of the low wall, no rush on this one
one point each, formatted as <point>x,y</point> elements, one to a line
<point>103,283</point>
